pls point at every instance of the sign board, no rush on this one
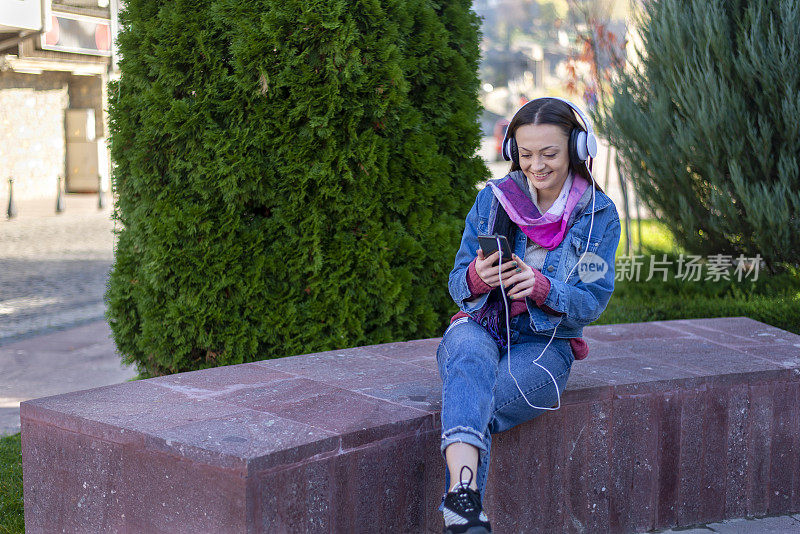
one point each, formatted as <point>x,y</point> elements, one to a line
<point>78,34</point>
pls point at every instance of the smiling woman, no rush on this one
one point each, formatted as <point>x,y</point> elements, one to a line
<point>544,160</point>
<point>555,220</point>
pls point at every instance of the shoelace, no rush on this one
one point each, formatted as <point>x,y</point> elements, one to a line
<point>467,499</point>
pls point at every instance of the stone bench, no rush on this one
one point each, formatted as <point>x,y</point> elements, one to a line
<point>666,423</point>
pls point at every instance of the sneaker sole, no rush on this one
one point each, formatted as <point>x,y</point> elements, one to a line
<point>470,530</point>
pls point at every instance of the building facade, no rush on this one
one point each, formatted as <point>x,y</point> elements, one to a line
<point>56,58</point>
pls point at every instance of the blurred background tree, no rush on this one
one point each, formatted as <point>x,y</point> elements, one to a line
<point>706,124</point>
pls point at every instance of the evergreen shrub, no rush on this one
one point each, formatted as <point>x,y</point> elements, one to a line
<point>292,176</point>
<point>706,124</point>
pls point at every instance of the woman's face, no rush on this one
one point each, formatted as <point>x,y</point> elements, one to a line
<point>543,157</point>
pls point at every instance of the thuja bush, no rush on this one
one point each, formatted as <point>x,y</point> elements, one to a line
<point>292,176</point>
<point>707,124</point>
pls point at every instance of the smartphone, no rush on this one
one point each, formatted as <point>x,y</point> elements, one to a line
<point>488,245</point>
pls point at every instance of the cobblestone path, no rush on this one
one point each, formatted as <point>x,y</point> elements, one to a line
<point>53,271</point>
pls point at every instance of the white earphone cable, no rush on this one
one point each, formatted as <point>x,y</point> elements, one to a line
<point>508,325</point>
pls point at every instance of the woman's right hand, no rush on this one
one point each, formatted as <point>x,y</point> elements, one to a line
<point>487,270</point>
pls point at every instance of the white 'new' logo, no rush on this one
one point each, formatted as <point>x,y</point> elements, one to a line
<point>591,268</point>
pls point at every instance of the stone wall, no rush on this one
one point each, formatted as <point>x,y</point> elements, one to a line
<point>32,137</point>
<point>32,133</point>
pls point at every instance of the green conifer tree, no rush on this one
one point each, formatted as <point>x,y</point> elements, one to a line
<point>292,176</point>
<point>707,124</point>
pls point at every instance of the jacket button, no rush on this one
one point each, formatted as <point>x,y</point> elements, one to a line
<point>551,269</point>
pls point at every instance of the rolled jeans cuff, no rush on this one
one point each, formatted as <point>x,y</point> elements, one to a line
<point>463,434</point>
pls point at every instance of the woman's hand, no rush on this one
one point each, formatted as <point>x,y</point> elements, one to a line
<point>487,269</point>
<point>522,279</point>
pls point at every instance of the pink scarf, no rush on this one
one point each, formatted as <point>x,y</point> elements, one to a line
<point>546,230</point>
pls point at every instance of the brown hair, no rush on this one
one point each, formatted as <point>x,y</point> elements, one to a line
<point>550,111</point>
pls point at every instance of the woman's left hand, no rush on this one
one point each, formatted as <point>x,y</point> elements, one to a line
<point>522,280</point>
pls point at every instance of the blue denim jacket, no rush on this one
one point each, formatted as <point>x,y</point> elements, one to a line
<point>580,303</point>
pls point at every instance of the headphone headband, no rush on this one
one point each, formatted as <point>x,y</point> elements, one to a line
<point>586,142</point>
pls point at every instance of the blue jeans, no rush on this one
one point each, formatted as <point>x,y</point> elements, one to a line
<point>479,396</point>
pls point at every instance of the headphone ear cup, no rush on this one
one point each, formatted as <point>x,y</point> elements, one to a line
<point>574,158</point>
<point>514,149</point>
<point>582,146</point>
<point>506,150</point>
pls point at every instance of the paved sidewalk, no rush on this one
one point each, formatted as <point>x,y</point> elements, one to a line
<point>59,362</point>
<point>53,268</point>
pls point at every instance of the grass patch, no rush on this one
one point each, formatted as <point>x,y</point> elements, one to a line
<point>770,298</point>
<point>12,520</point>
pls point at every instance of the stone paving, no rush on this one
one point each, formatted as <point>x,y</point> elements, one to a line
<point>53,268</point>
<point>53,273</point>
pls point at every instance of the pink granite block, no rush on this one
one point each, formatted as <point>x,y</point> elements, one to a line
<point>796,450</point>
<point>736,469</point>
<point>585,386</point>
<point>786,356</point>
<point>586,431</point>
<point>709,359</point>
<point>637,370</point>
<point>381,487</point>
<point>690,481</point>
<point>426,363</point>
<point>356,417</point>
<point>524,462</point>
<point>420,349</point>
<point>209,383</point>
<point>108,412</point>
<point>726,338</point>
<point>634,441</point>
<point>72,482</point>
<point>782,453</point>
<point>248,439</point>
<point>599,350</point>
<point>425,395</point>
<point>434,483</point>
<point>665,426</point>
<point>715,455</point>
<point>669,453</point>
<point>631,331</point>
<point>759,447</point>
<point>598,449</point>
<point>299,497</point>
<point>746,328</point>
<point>350,368</point>
<point>164,493</point>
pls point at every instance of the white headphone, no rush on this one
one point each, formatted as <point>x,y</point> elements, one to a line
<point>582,144</point>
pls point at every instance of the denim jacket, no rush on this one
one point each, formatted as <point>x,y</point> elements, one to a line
<point>578,302</point>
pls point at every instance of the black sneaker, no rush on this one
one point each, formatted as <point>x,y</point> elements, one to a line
<point>463,513</point>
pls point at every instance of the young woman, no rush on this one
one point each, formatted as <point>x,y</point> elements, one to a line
<point>506,355</point>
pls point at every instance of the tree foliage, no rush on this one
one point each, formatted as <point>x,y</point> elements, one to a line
<point>707,124</point>
<point>292,176</point>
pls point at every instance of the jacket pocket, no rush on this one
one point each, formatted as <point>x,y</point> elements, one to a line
<point>576,248</point>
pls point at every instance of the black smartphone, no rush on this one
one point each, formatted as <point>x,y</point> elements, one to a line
<point>488,245</point>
